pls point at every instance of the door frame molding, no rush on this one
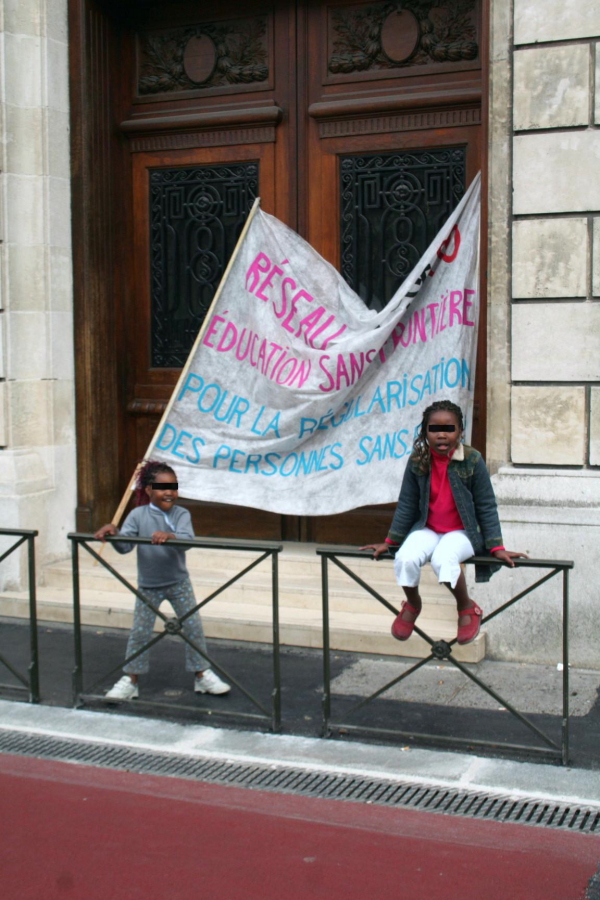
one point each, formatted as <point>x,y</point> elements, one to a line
<point>99,47</point>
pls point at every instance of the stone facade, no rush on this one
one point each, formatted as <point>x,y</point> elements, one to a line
<point>37,437</point>
<point>543,407</point>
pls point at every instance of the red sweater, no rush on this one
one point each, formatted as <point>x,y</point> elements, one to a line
<point>443,514</point>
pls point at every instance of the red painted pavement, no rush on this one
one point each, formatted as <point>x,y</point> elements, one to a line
<point>72,832</point>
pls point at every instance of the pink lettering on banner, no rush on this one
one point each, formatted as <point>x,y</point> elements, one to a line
<point>433,308</point>
<point>408,341</point>
<point>301,295</point>
<point>419,320</point>
<point>259,267</point>
<point>459,307</point>
<point>330,338</point>
<point>268,357</point>
<point>287,307</point>
<point>468,303</point>
<point>452,310</point>
<point>309,322</point>
<point>319,331</point>
<point>455,304</point>
<point>268,282</point>
<point>230,334</point>
<point>284,299</point>
<point>212,328</point>
<point>344,370</point>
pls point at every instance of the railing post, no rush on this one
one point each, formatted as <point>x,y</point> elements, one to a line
<point>276,655</point>
<point>326,703</point>
<point>78,670</point>
<point>34,672</point>
<point>565,660</point>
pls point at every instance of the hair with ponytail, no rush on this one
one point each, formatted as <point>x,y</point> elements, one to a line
<point>149,469</point>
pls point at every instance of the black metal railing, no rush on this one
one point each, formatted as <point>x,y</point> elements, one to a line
<point>173,624</point>
<point>30,682</point>
<point>442,650</point>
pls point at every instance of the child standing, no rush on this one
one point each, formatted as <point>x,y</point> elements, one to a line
<point>162,575</point>
<point>446,513</point>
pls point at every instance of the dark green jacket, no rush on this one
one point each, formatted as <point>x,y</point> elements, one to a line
<point>474,497</point>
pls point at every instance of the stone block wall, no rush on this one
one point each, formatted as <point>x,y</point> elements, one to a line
<point>556,160</point>
<point>544,313</point>
<point>37,437</point>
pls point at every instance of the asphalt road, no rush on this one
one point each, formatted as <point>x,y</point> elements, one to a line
<point>71,831</point>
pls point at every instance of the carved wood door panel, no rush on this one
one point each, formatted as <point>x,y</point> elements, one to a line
<point>394,138</point>
<point>393,193</point>
<point>341,116</point>
<point>205,136</point>
<point>189,209</point>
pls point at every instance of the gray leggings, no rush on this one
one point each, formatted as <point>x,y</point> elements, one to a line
<point>181,597</point>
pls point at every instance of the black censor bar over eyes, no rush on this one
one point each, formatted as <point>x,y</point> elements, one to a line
<point>448,428</point>
<point>165,485</point>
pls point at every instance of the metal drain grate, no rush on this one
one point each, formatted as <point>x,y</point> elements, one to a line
<point>286,779</point>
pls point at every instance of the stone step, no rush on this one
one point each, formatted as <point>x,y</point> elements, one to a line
<point>304,563</point>
<point>358,632</point>
<point>293,577</point>
<point>297,559</point>
<point>255,588</point>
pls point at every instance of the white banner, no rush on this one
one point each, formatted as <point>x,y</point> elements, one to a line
<point>298,399</point>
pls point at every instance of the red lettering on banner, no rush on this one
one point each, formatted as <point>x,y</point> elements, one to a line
<point>450,257</point>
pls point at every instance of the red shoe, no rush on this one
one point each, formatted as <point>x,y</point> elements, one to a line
<point>401,629</point>
<point>468,632</point>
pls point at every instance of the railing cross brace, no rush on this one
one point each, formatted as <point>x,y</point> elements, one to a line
<point>442,650</point>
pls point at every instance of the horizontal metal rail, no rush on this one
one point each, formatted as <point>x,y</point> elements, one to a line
<point>443,650</point>
<point>173,624</point>
<point>30,682</point>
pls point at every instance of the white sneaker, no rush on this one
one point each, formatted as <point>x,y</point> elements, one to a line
<point>210,683</point>
<point>124,689</point>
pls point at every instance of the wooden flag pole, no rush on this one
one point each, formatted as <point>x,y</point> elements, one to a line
<point>125,499</point>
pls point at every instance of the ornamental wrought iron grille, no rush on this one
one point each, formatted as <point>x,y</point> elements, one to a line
<point>196,217</point>
<point>393,205</point>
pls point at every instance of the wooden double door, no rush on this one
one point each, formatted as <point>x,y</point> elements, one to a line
<point>357,124</point>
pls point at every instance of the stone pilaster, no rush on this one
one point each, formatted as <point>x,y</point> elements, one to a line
<point>37,455</point>
<point>544,90</point>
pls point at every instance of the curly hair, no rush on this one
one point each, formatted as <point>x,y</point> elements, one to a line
<point>421,452</point>
<point>146,474</point>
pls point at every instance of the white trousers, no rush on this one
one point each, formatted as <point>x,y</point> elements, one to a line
<point>445,552</point>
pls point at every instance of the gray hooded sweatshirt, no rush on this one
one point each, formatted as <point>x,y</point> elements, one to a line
<point>158,564</point>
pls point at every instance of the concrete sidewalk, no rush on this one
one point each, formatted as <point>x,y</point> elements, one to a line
<point>417,765</point>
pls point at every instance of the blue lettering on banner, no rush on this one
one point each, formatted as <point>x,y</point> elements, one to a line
<point>212,398</point>
<point>383,446</point>
<point>176,442</point>
<point>393,396</point>
<point>292,465</point>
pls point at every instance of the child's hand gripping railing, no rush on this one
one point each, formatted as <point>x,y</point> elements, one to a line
<point>443,650</point>
<point>31,683</point>
<point>173,624</point>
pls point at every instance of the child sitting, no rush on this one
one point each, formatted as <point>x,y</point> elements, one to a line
<point>446,513</point>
